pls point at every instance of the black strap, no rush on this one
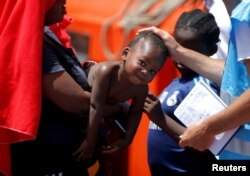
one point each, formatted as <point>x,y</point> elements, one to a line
<point>69,61</point>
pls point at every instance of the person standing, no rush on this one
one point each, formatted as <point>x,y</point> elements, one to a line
<point>197,30</point>
<point>64,115</point>
<point>201,136</point>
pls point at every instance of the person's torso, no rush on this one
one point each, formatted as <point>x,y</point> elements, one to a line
<point>118,89</point>
<point>57,126</point>
<point>162,149</point>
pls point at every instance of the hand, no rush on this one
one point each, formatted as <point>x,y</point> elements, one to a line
<point>197,136</point>
<point>85,151</point>
<point>152,106</point>
<point>169,41</point>
<point>115,148</point>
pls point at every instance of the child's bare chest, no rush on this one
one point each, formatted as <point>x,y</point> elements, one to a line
<point>119,93</point>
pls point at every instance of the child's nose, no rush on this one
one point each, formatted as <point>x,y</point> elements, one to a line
<point>145,74</point>
<point>144,71</point>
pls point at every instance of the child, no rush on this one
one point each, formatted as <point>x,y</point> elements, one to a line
<point>196,30</point>
<point>114,82</point>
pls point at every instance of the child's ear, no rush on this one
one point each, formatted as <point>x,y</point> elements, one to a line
<point>125,53</point>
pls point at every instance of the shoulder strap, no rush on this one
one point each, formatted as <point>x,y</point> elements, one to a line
<point>69,61</point>
<point>59,48</point>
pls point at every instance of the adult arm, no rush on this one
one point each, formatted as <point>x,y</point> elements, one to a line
<point>60,88</point>
<point>201,136</point>
<point>204,65</point>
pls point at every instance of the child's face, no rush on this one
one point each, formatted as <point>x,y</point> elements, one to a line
<point>189,39</point>
<point>142,62</point>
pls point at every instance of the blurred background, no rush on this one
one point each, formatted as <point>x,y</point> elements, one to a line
<point>101,28</point>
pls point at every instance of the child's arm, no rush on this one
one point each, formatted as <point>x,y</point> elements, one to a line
<point>97,103</point>
<point>135,114</point>
<point>133,120</point>
<point>152,107</point>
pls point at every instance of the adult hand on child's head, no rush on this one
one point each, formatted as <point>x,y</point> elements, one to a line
<point>169,40</point>
<point>197,136</point>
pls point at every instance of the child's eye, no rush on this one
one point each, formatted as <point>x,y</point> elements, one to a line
<point>153,72</point>
<point>142,63</point>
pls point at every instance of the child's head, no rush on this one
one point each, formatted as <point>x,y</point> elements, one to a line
<point>144,57</point>
<point>197,30</point>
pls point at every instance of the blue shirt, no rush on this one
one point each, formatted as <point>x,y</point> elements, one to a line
<point>235,81</point>
<point>164,154</point>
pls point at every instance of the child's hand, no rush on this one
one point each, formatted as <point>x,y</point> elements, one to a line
<point>85,151</point>
<point>152,106</point>
<point>115,148</point>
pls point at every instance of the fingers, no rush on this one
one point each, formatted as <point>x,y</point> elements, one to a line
<point>170,42</point>
<point>84,156</point>
<point>80,155</point>
<point>109,150</point>
<point>152,96</point>
<point>155,30</point>
<point>183,143</point>
<point>77,152</point>
<point>197,146</point>
<point>77,155</point>
<point>147,103</point>
<point>152,28</point>
<point>150,102</point>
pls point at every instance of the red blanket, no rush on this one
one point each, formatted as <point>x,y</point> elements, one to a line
<point>21,31</point>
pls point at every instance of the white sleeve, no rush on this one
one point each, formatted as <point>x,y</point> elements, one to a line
<point>242,34</point>
<point>218,9</point>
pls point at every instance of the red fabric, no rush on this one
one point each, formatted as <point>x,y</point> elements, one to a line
<point>5,159</point>
<point>59,30</point>
<point>21,31</point>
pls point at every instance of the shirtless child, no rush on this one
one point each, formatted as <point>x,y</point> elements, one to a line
<point>114,82</point>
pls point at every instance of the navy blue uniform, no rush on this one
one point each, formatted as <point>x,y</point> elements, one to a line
<point>165,157</point>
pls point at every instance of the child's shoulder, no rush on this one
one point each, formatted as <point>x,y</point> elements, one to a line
<point>108,66</point>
